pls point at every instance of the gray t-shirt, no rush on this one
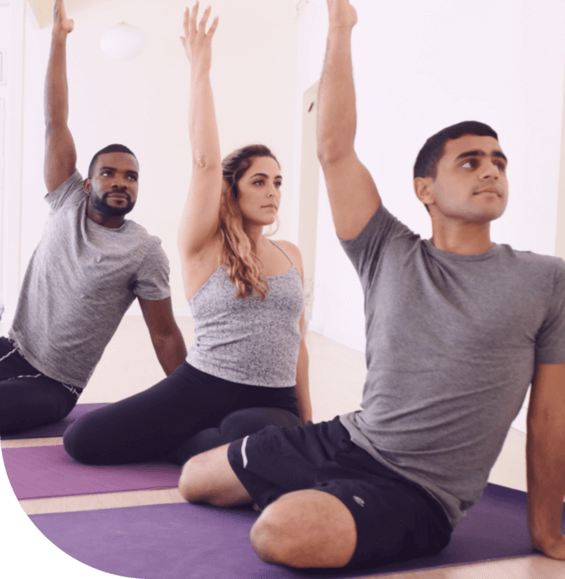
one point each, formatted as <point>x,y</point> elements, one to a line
<point>452,343</point>
<point>79,283</point>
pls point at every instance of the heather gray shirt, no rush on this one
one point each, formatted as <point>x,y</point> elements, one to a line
<point>452,342</point>
<point>80,281</point>
<point>246,340</point>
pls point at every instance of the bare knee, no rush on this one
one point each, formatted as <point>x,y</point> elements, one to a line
<point>209,478</point>
<point>266,540</point>
<point>194,482</point>
<point>305,529</point>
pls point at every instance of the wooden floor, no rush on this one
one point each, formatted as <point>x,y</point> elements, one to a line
<point>337,374</point>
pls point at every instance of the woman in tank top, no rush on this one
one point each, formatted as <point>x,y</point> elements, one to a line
<point>248,366</point>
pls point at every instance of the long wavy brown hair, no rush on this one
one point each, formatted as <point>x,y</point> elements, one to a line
<point>239,254</point>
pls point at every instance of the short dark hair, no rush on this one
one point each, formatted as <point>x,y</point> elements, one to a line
<point>434,148</point>
<point>115,148</point>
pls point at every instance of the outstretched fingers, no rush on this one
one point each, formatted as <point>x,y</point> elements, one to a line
<point>193,14</point>
<point>213,27</point>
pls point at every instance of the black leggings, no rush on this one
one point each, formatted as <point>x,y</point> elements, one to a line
<point>185,414</point>
<point>28,398</point>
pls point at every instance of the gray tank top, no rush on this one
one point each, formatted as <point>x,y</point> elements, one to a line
<point>247,340</point>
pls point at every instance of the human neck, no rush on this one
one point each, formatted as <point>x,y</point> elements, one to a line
<point>255,234</point>
<point>464,239</point>
<point>110,221</point>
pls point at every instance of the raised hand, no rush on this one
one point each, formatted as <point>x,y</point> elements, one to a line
<point>342,14</point>
<point>60,20</point>
<point>196,41</point>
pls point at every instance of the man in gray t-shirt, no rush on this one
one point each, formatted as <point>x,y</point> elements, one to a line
<point>457,329</point>
<point>90,265</point>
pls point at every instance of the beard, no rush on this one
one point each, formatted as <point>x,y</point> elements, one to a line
<point>101,206</point>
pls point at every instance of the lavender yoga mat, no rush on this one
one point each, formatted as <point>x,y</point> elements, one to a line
<point>56,429</point>
<point>48,471</point>
<point>182,540</point>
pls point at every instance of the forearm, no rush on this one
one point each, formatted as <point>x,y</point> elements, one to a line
<point>337,116</point>
<point>546,479</point>
<point>302,385</point>
<point>56,100</point>
<point>203,127</point>
<point>170,350</point>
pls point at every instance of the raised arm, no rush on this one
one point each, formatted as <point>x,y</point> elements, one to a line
<point>60,152</point>
<point>546,460</point>
<point>352,192</point>
<point>200,219</point>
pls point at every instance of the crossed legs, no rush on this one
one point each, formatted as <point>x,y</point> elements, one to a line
<point>306,528</point>
<point>326,502</point>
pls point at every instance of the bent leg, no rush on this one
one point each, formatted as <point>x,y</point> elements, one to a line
<point>234,426</point>
<point>28,398</point>
<point>209,478</point>
<point>308,528</point>
<point>31,402</point>
<point>147,425</point>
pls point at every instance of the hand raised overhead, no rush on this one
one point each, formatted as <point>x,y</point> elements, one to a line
<point>60,20</point>
<point>342,14</point>
<point>196,41</point>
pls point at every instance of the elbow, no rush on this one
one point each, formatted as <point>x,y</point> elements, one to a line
<point>331,152</point>
<point>203,162</point>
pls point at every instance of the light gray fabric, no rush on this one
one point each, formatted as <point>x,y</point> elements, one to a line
<point>80,281</point>
<point>452,341</point>
<point>246,340</point>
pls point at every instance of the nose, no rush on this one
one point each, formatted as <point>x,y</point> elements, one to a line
<point>119,182</point>
<point>491,171</point>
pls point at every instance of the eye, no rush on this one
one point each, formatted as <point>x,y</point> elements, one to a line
<point>105,173</point>
<point>501,165</point>
<point>258,182</point>
<point>278,184</point>
<point>132,177</point>
<point>471,164</point>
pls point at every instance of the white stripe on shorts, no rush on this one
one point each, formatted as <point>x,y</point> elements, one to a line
<point>8,354</point>
<point>243,454</point>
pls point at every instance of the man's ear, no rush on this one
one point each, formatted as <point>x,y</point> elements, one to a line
<point>423,190</point>
<point>86,186</point>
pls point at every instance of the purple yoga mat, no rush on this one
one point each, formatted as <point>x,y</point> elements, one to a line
<point>48,471</point>
<point>182,540</point>
<point>56,429</point>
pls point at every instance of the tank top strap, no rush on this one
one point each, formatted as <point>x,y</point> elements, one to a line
<point>282,250</point>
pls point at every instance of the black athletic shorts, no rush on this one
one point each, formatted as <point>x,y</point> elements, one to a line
<point>395,518</point>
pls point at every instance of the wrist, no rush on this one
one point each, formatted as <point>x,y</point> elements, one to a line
<point>200,73</point>
<point>59,34</point>
<point>340,28</point>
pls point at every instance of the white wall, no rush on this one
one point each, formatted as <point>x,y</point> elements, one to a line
<point>12,31</point>
<point>143,103</point>
<point>421,66</point>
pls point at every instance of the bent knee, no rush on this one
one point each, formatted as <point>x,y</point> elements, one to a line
<point>265,540</point>
<point>78,446</point>
<point>298,540</point>
<point>188,487</point>
<point>195,482</point>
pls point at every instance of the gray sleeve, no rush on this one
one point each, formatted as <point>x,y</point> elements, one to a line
<point>70,192</point>
<point>550,341</point>
<point>152,278</point>
<point>365,250</point>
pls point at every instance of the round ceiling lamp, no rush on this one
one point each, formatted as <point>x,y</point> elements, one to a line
<point>123,41</point>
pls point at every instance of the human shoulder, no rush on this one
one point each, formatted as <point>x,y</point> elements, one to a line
<point>292,251</point>
<point>537,260</point>
<point>70,192</point>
